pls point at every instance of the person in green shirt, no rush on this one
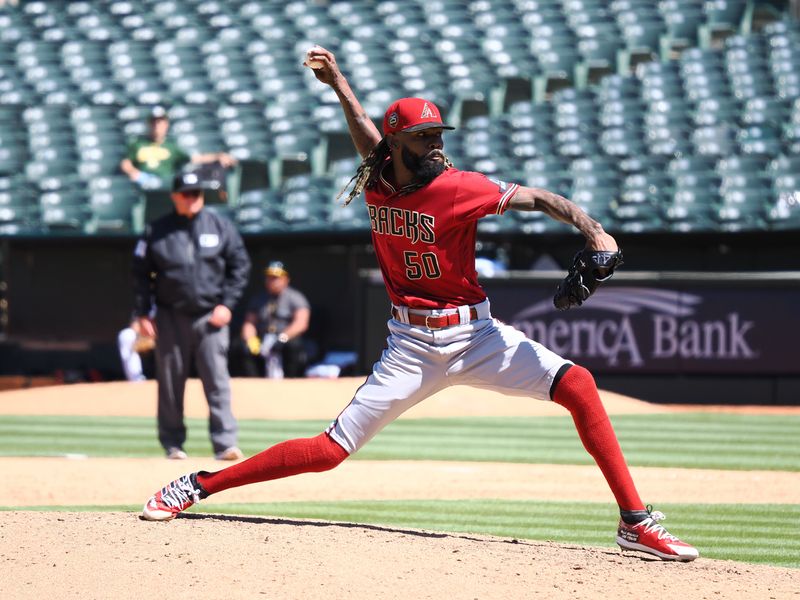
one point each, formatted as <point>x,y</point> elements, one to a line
<point>151,162</point>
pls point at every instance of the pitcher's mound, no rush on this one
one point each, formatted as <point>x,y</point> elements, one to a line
<point>117,555</point>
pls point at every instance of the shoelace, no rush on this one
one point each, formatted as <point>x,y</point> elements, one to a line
<point>653,525</point>
<point>179,492</point>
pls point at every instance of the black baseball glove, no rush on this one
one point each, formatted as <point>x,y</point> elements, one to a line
<point>589,269</point>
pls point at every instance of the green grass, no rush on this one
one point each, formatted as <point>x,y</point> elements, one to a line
<point>750,533</point>
<point>692,440</point>
<point>743,532</point>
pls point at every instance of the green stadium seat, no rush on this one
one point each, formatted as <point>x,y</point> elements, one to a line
<point>715,111</point>
<point>744,181</point>
<point>18,219</point>
<point>642,163</point>
<point>771,111</point>
<point>623,141</point>
<point>751,85</point>
<point>734,218</point>
<point>350,217</point>
<point>622,112</point>
<point>237,64</point>
<point>757,139</point>
<point>618,87</point>
<point>111,213</point>
<point>558,67</point>
<point>642,34</point>
<point>650,188</point>
<point>65,218</point>
<point>696,180</point>
<point>560,183</point>
<point>785,184</point>
<point>734,164</point>
<point>722,18</point>
<point>689,210</point>
<point>791,137</point>
<point>637,217</point>
<point>715,140</point>
<point>682,19</point>
<point>782,213</point>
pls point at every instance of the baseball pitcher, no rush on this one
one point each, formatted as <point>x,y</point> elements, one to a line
<point>423,214</point>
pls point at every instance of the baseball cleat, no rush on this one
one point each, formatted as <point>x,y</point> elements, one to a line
<point>176,497</point>
<point>648,536</point>
<point>176,454</point>
<point>232,453</point>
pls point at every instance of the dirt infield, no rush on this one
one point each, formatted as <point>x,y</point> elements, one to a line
<point>98,555</point>
<point>115,555</point>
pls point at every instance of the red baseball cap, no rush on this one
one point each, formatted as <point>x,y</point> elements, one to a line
<point>412,114</point>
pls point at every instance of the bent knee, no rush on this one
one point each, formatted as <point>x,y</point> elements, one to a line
<point>331,453</point>
<point>575,385</point>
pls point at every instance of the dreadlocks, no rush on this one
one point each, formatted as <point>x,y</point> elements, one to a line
<point>367,173</point>
<point>369,170</point>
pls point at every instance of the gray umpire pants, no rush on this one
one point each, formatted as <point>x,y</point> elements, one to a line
<point>181,339</point>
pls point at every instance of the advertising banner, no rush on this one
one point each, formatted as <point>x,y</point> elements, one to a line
<point>693,324</point>
<point>644,329</point>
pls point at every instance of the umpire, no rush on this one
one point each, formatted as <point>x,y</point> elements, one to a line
<point>193,264</point>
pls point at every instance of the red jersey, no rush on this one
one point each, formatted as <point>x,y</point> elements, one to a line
<point>425,241</point>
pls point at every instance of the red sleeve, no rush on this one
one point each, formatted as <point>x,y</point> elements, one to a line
<point>478,196</point>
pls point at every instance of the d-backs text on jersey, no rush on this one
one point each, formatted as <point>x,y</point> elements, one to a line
<point>411,224</point>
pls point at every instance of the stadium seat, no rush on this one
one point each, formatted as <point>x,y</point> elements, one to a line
<point>722,18</point>
<point>111,213</point>
<point>756,139</point>
<point>714,140</point>
<point>88,72</point>
<point>642,163</point>
<point>651,188</point>
<point>735,164</point>
<point>715,111</point>
<point>689,211</point>
<point>683,19</point>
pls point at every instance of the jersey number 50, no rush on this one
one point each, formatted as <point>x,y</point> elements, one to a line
<point>419,265</point>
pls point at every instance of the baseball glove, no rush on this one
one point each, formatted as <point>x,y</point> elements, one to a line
<point>589,269</point>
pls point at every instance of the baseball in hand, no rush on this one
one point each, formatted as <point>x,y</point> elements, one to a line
<point>314,64</point>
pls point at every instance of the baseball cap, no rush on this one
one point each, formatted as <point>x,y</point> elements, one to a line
<point>276,269</point>
<point>187,181</point>
<point>158,112</point>
<point>412,114</point>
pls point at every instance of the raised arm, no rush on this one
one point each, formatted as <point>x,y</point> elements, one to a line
<point>559,208</point>
<point>363,131</point>
<point>223,158</point>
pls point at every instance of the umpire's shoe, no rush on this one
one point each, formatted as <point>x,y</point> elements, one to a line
<point>176,497</point>
<point>648,536</point>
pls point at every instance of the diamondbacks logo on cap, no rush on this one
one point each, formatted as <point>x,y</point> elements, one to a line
<point>427,113</point>
<point>393,120</point>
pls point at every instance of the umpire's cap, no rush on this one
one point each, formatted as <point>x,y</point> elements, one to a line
<point>187,181</point>
<point>412,114</point>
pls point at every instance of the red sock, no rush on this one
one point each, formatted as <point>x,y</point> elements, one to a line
<point>577,392</point>
<point>305,455</point>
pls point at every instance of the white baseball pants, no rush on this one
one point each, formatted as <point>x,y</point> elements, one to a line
<point>419,362</point>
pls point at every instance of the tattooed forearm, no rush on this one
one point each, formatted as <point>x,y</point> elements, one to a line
<point>556,207</point>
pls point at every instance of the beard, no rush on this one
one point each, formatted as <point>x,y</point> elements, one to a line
<point>425,169</point>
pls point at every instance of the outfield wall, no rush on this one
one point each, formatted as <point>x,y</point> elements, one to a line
<point>62,301</point>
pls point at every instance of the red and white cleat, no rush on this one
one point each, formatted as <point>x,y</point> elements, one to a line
<point>176,497</point>
<point>648,536</point>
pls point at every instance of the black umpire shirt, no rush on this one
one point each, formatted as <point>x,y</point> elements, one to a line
<point>190,265</point>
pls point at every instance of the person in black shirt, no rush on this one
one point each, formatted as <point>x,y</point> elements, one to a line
<point>193,265</point>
